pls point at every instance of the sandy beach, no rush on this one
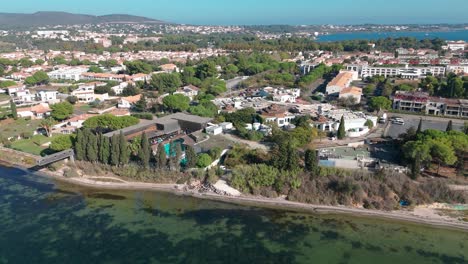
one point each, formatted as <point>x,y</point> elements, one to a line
<point>426,215</point>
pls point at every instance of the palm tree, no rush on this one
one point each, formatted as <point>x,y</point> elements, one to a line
<point>47,124</point>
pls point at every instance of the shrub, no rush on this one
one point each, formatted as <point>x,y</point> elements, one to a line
<point>70,173</point>
<point>204,160</point>
<point>147,116</point>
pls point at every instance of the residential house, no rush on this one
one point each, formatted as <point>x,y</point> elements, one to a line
<point>421,102</point>
<point>353,92</point>
<point>169,68</point>
<point>127,102</point>
<point>190,91</point>
<point>340,82</point>
<point>85,92</point>
<point>277,114</point>
<point>39,111</point>
<point>22,96</point>
<point>46,95</point>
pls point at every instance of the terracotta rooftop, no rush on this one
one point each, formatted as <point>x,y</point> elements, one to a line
<point>342,79</point>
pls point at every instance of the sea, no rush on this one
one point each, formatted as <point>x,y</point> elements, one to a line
<point>446,35</point>
<point>45,221</point>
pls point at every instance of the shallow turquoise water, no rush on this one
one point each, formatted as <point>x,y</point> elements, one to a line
<point>46,222</point>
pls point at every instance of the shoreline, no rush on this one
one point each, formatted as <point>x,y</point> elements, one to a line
<point>261,202</point>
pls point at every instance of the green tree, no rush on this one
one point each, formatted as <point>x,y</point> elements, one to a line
<point>204,160</point>
<point>311,162</point>
<point>190,157</point>
<point>7,83</point>
<point>144,153</point>
<point>111,122</point>
<point>443,154</point>
<point>80,150</point>
<point>369,124</point>
<point>25,62</point>
<point>62,142</point>
<point>166,82</point>
<point>380,102</point>
<point>92,149</point>
<point>47,124</point>
<point>130,90</point>
<point>213,86</point>
<point>161,157</point>
<point>206,69</point>
<point>140,105</point>
<point>104,149</point>
<point>124,153</point>
<point>61,111</point>
<point>419,130</point>
<point>38,78</point>
<point>115,150</point>
<point>449,126</point>
<point>176,102</point>
<point>14,112</point>
<point>134,67</point>
<point>95,69</point>
<point>72,99</point>
<point>341,129</point>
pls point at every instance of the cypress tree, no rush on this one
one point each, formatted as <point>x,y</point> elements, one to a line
<point>161,158</point>
<point>311,161</point>
<point>14,112</point>
<point>124,153</point>
<point>292,161</point>
<point>341,129</point>
<point>190,157</point>
<point>178,155</point>
<point>449,126</point>
<point>115,150</point>
<point>92,148</point>
<point>79,146</point>
<point>145,151</point>
<point>419,130</point>
<point>104,149</point>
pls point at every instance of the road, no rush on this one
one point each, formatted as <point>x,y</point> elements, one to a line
<point>429,122</point>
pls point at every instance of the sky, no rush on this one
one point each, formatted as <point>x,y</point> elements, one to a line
<point>264,12</point>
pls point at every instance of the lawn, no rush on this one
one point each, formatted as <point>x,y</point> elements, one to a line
<point>84,108</point>
<point>32,145</point>
<point>4,97</point>
<point>14,128</point>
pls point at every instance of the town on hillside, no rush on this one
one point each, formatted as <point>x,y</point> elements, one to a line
<point>262,114</point>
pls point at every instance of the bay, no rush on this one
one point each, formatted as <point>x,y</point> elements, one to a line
<point>446,35</point>
<point>44,221</point>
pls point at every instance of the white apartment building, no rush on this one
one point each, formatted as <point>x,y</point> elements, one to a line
<point>406,72</point>
<point>85,93</point>
<point>46,96</point>
<point>457,69</point>
<point>118,89</point>
<point>23,96</point>
<point>456,45</point>
<point>71,73</point>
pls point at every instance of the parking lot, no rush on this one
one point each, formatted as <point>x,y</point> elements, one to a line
<point>395,130</point>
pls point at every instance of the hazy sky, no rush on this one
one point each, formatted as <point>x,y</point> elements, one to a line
<point>261,11</point>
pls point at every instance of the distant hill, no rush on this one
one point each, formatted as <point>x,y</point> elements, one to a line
<point>63,18</point>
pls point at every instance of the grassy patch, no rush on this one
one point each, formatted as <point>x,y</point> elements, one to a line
<point>84,108</point>
<point>32,146</point>
<point>4,97</point>
<point>13,128</point>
